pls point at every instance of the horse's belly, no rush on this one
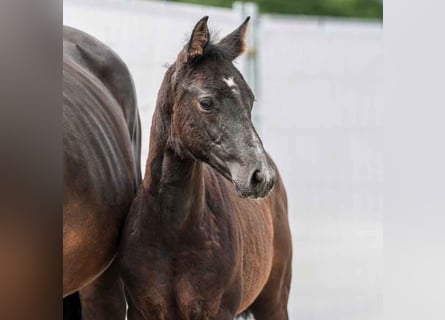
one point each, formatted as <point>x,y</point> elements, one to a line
<point>89,246</point>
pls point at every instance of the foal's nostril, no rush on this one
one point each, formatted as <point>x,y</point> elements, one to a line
<point>257,178</point>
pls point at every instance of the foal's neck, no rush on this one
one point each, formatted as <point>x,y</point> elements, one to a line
<point>174,183</point>
<point>181,192</point>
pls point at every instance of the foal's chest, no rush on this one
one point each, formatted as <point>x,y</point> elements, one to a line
<point>200,276</point>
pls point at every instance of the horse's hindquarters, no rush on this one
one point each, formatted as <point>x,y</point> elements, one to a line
<point>100,175</point>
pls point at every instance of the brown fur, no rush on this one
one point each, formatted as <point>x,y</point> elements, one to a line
<point>199,40</point>
<point>101,137</point>
<point>193,248</point>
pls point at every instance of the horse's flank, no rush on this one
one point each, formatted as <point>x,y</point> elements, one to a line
<point>101,144</point>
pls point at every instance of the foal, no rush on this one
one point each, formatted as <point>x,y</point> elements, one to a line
<point>196,245</point>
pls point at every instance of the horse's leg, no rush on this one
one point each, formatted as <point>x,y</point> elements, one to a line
<point>133,314</point>
<point>72,309</point>
<point>104,299</point>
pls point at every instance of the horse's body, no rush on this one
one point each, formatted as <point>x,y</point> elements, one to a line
<point>193,248</point>
<point>101,142</point>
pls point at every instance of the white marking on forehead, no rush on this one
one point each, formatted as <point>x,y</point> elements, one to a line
<point>231,84</point>
<point>229,81</point>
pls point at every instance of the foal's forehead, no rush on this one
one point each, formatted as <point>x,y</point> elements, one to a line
<point>215,72</point>
<point>222,79</point>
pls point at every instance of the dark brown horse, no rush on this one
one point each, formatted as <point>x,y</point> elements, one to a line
<point>207,236</point>
<point>101,144</point>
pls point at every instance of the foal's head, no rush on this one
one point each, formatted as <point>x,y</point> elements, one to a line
<point>211,116</point>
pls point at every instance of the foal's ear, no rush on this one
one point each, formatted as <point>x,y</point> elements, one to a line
<point>235,43</point>
<point>198,40</point>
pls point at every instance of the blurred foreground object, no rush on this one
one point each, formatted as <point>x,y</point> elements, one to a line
<point>30,162</point>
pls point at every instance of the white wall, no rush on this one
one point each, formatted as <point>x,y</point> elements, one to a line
<point>321,99</point>
<point>319,107</point>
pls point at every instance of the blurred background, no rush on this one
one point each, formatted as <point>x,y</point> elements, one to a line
<point>316,67</point>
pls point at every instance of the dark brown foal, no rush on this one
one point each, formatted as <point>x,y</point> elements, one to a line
<point>207,236</point>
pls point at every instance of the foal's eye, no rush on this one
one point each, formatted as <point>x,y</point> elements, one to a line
<point>206,104</point>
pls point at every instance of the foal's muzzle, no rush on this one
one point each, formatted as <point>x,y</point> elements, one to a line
<point>254,181</point>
